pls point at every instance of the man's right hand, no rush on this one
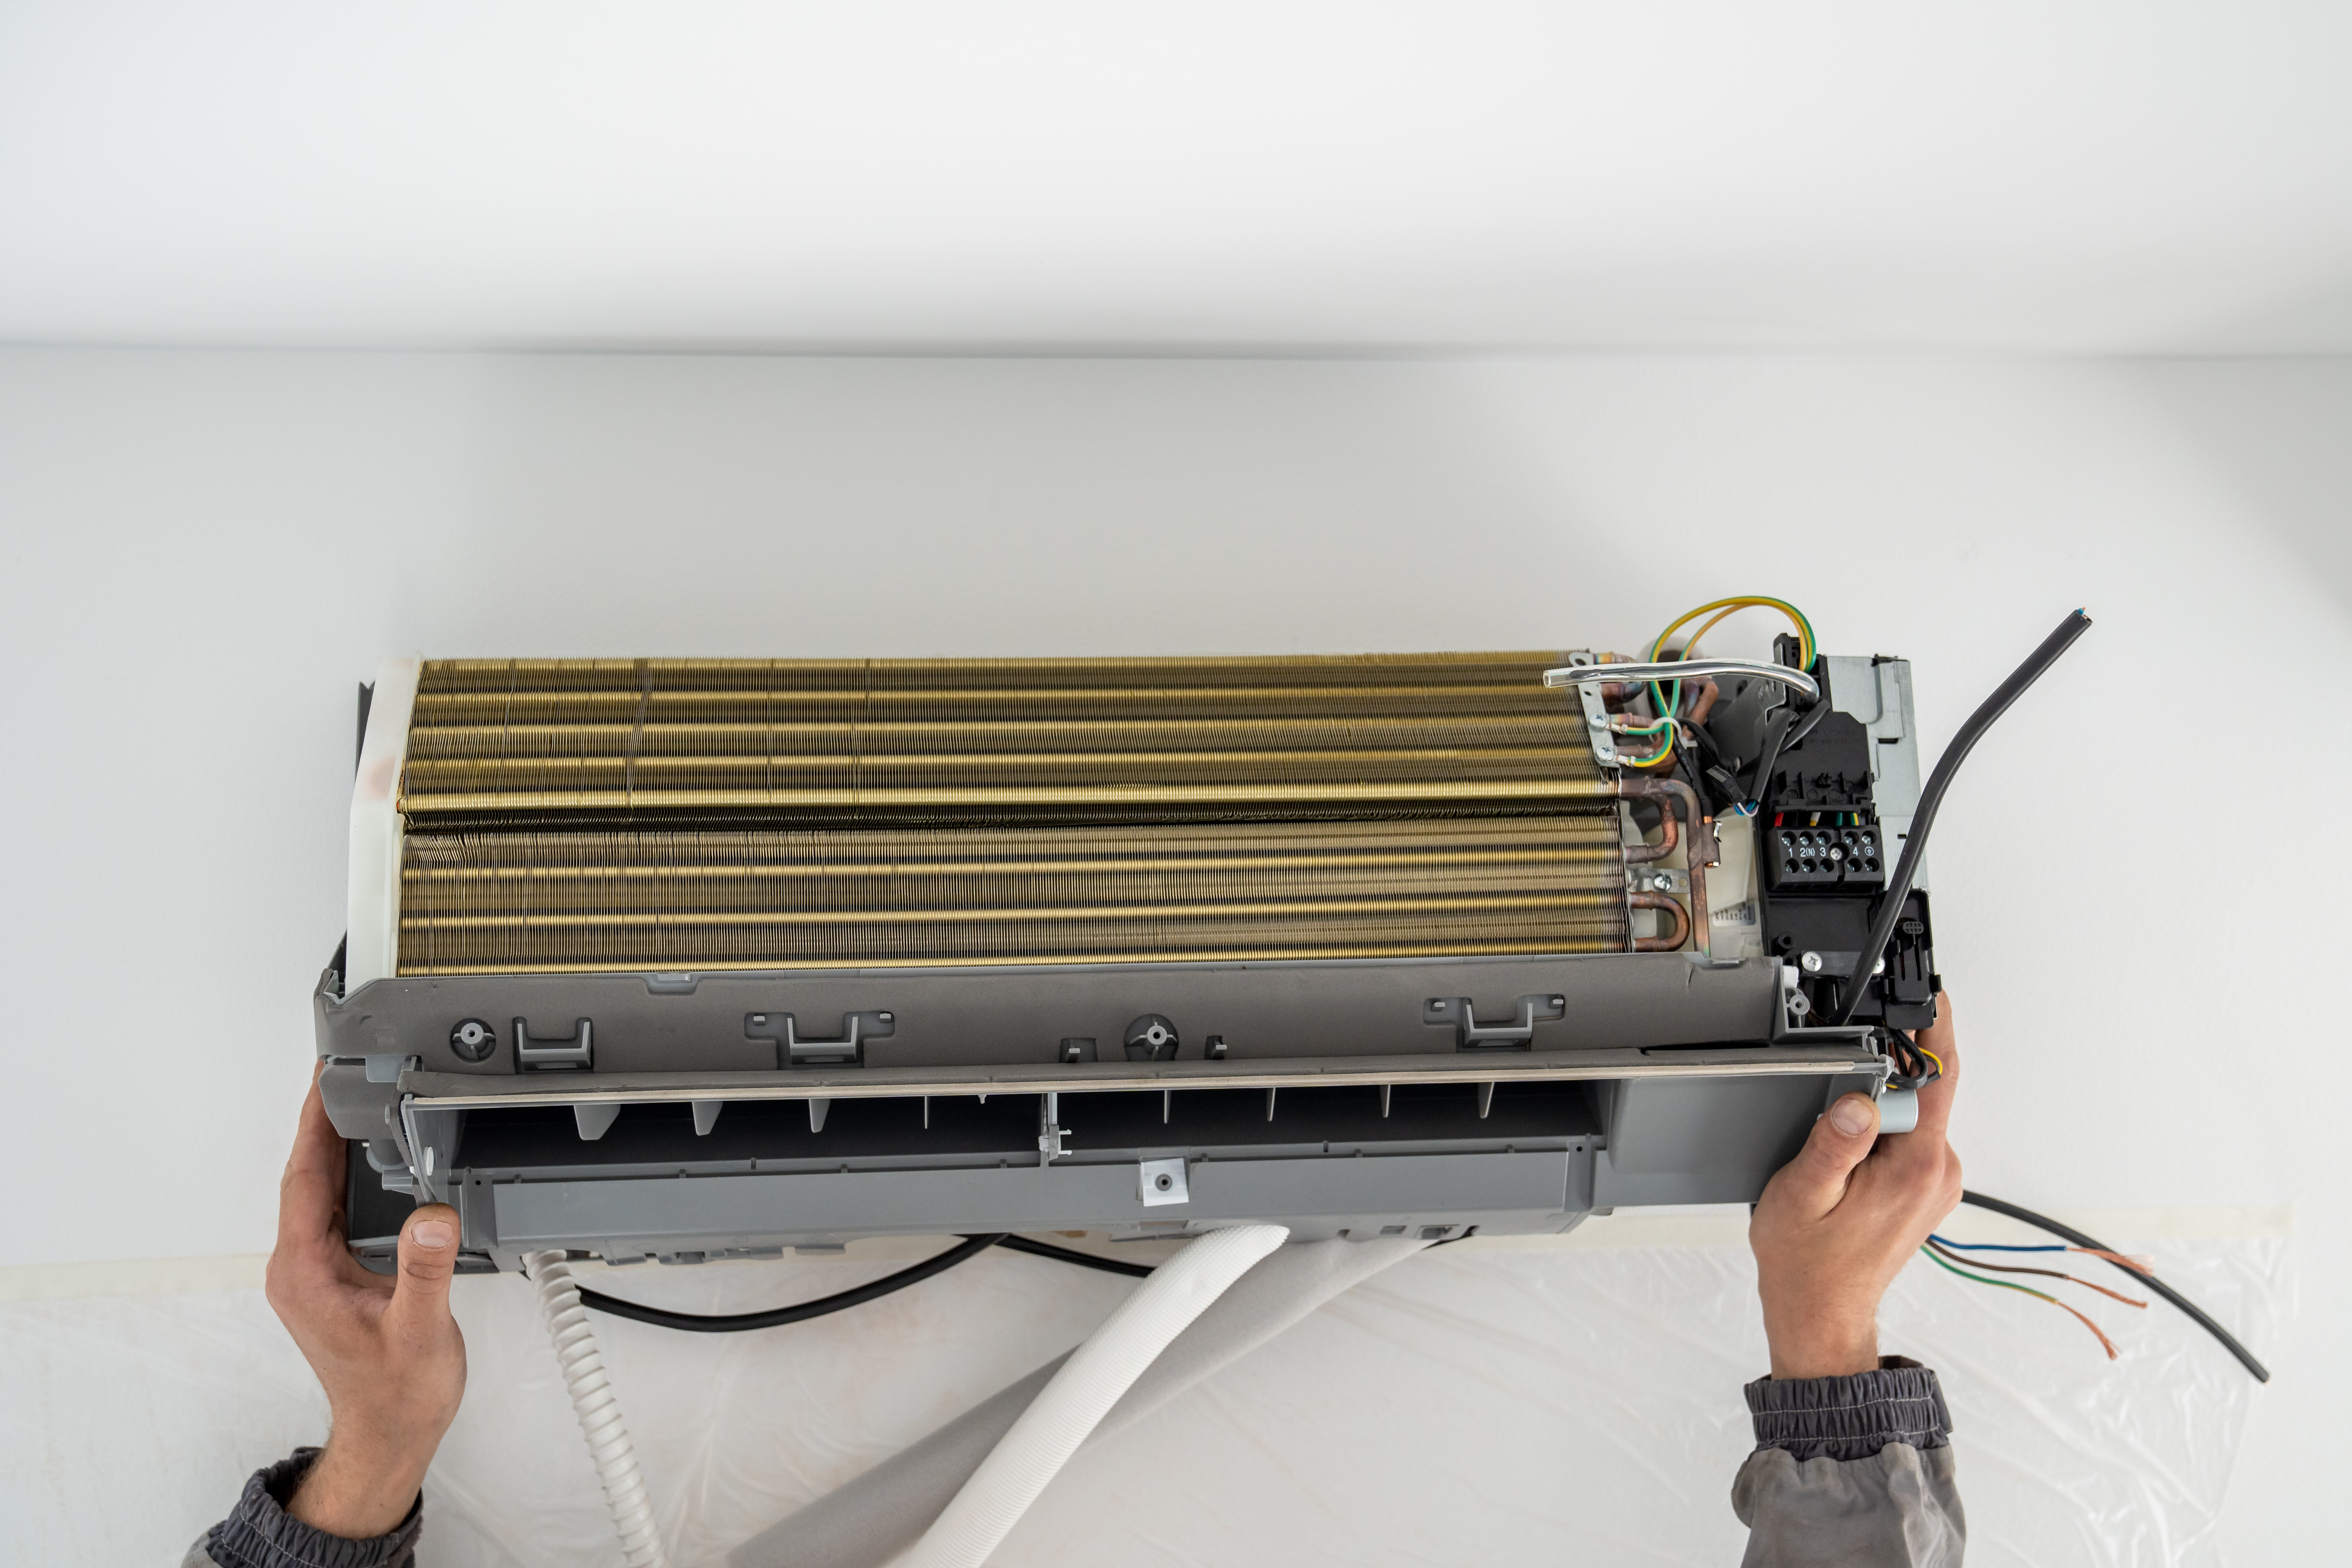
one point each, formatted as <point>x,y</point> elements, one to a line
<point>1839,1222</point>
<point>387,1351</point>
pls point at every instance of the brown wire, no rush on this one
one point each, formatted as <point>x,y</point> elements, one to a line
<point>1940,1261</point>
<point>2018,1268</point>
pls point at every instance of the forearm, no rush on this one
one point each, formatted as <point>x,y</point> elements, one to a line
<point>264,1531</point>
<point>358,1487</point>
<point>1851,1472</point>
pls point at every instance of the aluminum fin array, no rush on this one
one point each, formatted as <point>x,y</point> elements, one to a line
<point>604,814</point>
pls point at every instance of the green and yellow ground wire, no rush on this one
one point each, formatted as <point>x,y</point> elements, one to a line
<point>1670,703</point>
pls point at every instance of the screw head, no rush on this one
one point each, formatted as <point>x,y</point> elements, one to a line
<point>1810,964</point>
<point>473,1040</point>
<point>1153,1032</point>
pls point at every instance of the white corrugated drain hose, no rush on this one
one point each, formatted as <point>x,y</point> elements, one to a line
<point>1097,1373</point>
<point>599,1409</point>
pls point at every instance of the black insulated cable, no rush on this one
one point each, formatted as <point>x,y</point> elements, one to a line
<point>1071,1255</point>
<point>800,1312</point>
<point>1786,730</point>
<point>2067,1232</point>
<point>1776,734</point>
<point>1898,886</point>
<point>738,1322</point>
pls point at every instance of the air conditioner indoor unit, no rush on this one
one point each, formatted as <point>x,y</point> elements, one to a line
<point>691,959</point>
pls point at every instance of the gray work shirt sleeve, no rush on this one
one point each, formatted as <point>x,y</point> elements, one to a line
<point>1850,1472</point>
<point>259,1533</point>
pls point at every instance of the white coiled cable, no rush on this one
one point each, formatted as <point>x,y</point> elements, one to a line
<point>1069,1408</point>
<point>599,1409</point>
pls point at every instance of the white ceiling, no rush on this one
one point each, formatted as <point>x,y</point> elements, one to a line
<point>2120,175</point>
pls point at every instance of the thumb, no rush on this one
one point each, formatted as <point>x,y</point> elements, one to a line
<point>429,1256</point>
<point>1837,1144</point>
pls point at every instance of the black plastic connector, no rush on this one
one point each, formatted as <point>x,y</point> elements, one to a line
<point>1800,856</point>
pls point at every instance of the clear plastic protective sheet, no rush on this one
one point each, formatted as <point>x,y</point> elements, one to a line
<point>1493,1403</point>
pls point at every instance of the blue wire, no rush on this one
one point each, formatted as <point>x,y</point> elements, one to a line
<point>1990,1246</point>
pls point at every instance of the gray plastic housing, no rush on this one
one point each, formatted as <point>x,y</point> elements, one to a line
<point>1425,1095</point>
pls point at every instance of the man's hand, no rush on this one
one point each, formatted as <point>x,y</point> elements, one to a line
<point>388,1352</point>
<point>1839,1222</point>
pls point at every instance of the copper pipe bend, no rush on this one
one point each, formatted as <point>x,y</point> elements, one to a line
<point>1670,833</point>
<point>1673,939</point>
<point>1668,793</point>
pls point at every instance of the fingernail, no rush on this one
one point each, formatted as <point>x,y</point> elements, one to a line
<point>1851,1115</point>
<point>433,1233</point>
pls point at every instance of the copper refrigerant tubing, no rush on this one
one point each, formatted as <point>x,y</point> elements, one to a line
<point>1663,905</point>
<point>1666,794</point>
<point>1669,834</point>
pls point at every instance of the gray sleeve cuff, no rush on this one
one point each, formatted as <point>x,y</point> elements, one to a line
<point>258,1533</point>
<point>1851,1417</point>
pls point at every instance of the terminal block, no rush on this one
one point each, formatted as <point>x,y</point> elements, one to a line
<point>1822,852</point>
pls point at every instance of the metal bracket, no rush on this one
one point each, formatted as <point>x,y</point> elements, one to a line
<point>1596,712</point>
<point>1519,1034</point>
<point>559,1052</point>
<point>1049,1133</point>
<point>792,1050</point>
<point>1681,669</point>
<point>1160,1182</point>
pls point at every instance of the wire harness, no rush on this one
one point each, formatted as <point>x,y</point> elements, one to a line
<point>2088,1243</point>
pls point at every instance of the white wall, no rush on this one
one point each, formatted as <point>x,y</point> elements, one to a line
<point>2101,176</point>
<point>2138,880</point>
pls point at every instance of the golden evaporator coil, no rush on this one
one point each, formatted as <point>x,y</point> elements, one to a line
<point>572,815</point>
